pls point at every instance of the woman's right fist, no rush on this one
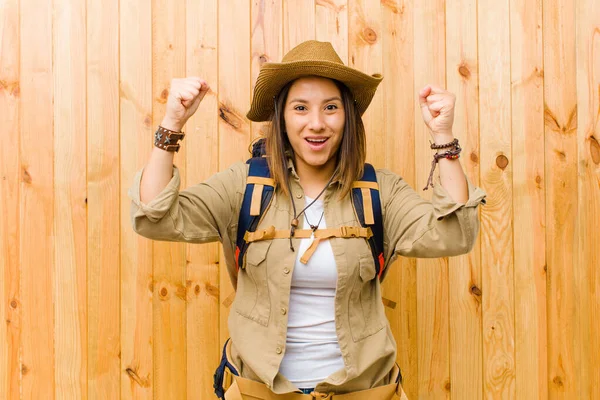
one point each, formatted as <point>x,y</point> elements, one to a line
<point>185,94</point>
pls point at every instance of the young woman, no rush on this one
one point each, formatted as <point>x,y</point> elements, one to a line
<point>307,316</point>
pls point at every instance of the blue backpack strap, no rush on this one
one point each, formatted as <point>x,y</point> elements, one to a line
<point>259,168</point>
<point>219,375</point>
<point>367,184</point>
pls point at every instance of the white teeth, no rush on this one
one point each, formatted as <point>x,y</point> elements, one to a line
<point>316,140</point>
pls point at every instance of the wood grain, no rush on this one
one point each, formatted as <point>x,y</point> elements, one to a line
<point>234,102</point>
<point>400,284</point>
<point>465,311</point>
<point>587,277</point>
<point>202,283</point>
<point>136,128</point>
<point>432,274</point>
<point>560,115</point>
<point>267,45</point>
<point>70,203</point>
<point>529,199</point>
<point>103,199</point>
<point>36,224</point>
<point>331,22</point>
<point>365,54</point>
<point>496,216</point>
<point>10,292</point>
<point>298,22</point>
<point>169,259</point>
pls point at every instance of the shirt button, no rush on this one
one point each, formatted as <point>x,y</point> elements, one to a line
<point>278,350</point>
<point>283,311</point>
<point>286,270</point>
<point>298,195</point>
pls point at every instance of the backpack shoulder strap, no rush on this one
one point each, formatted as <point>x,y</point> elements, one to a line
<point>257,197</point>
<point>367,204</point>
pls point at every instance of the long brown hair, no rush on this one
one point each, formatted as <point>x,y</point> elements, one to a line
<point>350,157</point>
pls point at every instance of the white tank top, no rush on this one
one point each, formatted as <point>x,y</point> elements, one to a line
<point>312,351</point>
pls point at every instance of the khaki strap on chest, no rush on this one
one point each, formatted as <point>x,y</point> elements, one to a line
<point>259,184</point>
<point>341,232</point>
<point>365,190</point>
<point>318,235</point>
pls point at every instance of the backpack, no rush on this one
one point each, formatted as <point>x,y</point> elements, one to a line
<point>259,193</point>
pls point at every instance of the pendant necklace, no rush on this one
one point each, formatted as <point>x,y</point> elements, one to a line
<point>313,228</point>
<point>294,223</point>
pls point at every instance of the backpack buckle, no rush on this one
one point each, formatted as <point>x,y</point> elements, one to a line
<point>350,231</point>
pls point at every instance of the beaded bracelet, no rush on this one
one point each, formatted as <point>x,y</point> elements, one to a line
<point>453,143</point>
<point>452,154</point>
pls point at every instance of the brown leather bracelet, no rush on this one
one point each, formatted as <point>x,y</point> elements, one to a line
<point>166,139</point>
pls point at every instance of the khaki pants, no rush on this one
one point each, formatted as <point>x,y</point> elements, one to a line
<point>245,389</point>
<point>238,388</point>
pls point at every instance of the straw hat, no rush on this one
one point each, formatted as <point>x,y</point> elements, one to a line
<point>309,58</point>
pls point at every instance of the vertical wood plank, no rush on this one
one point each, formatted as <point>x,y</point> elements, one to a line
<point>432,275</point>
<point>587,277</point>
<point>560,116</point>
<point>365,53</point>
<point>267,43</point>
<point>70,205</point>
<point>202,145</point>
<point>234,102</point>
<point>37,201</point>
<point>136,134</point>
<point>103,198</point>
<point>496,216</point>
<point>466,361</point>
<point>400,284</point>
<point>331,24</point>
<point>298,22</point>
<point>169,259</point>
<point>529,199</point>
<point>10,170</point>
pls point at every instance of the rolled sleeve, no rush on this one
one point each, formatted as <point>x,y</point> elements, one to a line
<point>415,227</point>
<point>157,207</point>
<point>444,205</point>
<point>201,213</point>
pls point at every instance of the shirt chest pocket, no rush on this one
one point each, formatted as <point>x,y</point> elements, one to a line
<point>252,298</point>
<point>366,312</point>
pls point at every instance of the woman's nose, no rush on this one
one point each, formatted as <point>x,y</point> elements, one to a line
<point>316,122</point>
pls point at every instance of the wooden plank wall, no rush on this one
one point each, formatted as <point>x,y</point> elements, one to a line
<point>91,310</point>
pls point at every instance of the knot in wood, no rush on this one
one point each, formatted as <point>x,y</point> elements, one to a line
<point>163,292</point>
<point>558,381</point>
<point>502,161</point>
<point>464,71</point>
<point>594,150</point>
<point>475,290</point>
<point>369,35</point>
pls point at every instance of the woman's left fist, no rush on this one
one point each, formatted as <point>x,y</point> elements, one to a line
<point>437,106</point>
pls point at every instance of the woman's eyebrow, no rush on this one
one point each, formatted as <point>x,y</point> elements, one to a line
<point>298,100</point>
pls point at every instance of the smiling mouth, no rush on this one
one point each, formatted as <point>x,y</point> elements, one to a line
<point>316,141</point>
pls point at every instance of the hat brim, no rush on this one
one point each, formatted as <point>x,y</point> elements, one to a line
<point>274,76</point>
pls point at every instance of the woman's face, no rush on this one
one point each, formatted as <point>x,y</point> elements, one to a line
<point>314,121</point>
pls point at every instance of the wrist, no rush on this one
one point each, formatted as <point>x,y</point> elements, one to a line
<point>172,125</point>
<point>442,138</point>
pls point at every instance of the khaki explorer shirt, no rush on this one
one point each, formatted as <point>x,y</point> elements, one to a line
<point>413,227</point>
